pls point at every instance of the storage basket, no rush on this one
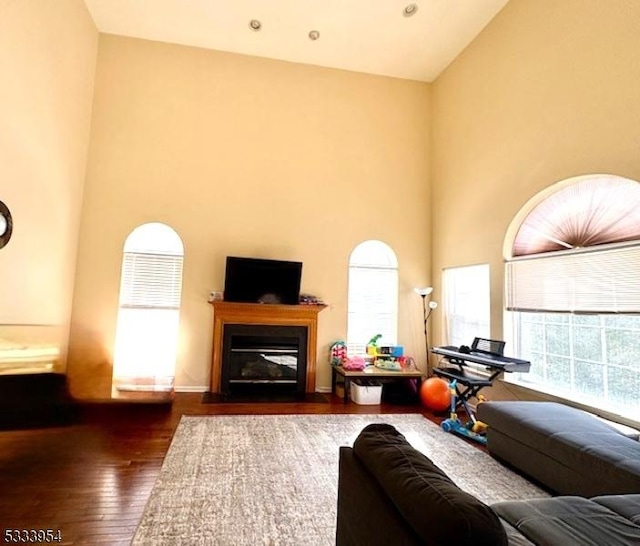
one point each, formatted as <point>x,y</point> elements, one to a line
<point>365,395</point>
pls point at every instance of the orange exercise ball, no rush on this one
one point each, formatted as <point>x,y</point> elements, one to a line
<point>435,394</point>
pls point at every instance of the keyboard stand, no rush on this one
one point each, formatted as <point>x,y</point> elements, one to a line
<point>484,352</point>
<point>467,386</point>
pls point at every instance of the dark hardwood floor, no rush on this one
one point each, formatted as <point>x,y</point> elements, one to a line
<point>91,479</point>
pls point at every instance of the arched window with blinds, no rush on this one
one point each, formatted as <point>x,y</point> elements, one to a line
<point>572,293</point>
<point>373,296</point>
<point>149,310</point>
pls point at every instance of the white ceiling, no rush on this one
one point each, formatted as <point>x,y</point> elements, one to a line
<point>371,36</point>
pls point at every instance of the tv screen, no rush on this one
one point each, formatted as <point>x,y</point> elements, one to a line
<point>255,280</point>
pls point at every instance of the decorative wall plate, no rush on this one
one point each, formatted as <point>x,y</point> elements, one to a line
<point>6,224</point>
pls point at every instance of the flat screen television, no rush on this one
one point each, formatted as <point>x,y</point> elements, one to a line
<point>256,280</point>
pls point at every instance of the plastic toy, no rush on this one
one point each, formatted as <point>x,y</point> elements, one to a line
<point>435,394</point>
<point>355,364</point>
<point>473,429</point>
<point>338,353</point>
<point>385,363</point>
<point>372,345</point>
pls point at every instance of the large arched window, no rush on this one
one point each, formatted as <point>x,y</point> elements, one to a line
<point>373,296</point>
<point>149,310</point>
<point>572,283</point>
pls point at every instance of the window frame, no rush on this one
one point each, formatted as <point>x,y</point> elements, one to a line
<point>482,292</point>
<point>378,259</point>
<point>482,303</point>
<point>568,288</point>
<point>147,326</point>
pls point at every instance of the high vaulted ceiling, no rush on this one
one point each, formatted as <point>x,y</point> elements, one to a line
<point>371,36</point>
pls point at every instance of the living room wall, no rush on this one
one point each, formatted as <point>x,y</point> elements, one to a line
<point>548,91</point>
<point>47,63</point>
<point>251,157</point>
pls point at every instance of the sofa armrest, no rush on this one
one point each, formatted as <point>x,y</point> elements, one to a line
<point>365,513</point>
<point>437,510</point>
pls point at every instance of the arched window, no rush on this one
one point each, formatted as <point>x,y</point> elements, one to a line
<point>149,310</point>
<point>373,296</point>
<point>572,283</point>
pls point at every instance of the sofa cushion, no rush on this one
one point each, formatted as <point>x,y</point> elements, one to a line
<point>515,537</point>
<point>580,442</point>
<point>549,423</point>
<point>569,521</point>
<point>430,502</point>
<point>625,505</point>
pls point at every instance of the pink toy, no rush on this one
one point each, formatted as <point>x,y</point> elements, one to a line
<point>338,353</point>
<point>355,364</point>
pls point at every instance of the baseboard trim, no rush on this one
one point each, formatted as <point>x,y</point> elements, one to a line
<point>323,390</point>
<point>197,388</point>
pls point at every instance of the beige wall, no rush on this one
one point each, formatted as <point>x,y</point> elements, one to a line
<point>253,157</point>
<point>548,91</point>
<point>47,63</point>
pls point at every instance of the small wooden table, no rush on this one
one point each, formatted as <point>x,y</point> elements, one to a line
<point>371,372</point>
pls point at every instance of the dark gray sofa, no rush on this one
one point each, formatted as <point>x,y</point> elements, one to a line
<point>565,449</point>
<point>390,493</point>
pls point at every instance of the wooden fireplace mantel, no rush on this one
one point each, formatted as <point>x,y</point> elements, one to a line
<point>225,312</point>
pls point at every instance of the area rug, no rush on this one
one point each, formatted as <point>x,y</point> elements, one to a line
<point>272,479</point>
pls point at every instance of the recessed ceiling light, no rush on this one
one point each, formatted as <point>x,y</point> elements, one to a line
<point>255,25</point>
<point>409,10</point>
<point>314,35</point>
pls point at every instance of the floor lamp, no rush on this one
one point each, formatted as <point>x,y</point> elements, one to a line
<point>426,313</point>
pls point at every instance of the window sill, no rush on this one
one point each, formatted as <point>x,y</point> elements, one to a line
<point>608,413</point>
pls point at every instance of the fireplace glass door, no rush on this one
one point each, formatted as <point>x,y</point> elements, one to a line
<point>264,358</point>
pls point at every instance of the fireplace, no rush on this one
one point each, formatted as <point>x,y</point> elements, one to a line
<point>264,347</point>
<point>263,359</point>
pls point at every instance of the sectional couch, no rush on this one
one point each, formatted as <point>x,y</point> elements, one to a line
<point>390,493</point>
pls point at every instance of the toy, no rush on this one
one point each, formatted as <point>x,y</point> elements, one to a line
<point>479,427</point>
<point>385,363</point>
<point>355,364</point>
<point>338,353</point>
<point>396,351</point>
<point>474,429</point>
<point>435,394</point>
<point>372,345</point>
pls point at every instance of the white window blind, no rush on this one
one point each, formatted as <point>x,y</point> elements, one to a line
<point>582,212</point>
<point>373,296</point>
<point>603,279</point>
<point>151,281</point>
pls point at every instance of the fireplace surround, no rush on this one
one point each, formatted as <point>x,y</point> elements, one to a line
<point>264,345</point>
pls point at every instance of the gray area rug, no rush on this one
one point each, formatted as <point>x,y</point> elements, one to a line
<point>272,479</point>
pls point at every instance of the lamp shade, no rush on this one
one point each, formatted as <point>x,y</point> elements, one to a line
<point>423,291</point>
